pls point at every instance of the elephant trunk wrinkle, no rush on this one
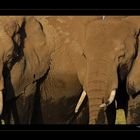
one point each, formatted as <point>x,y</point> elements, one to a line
<point>96,96</point>
<point>98,89</point>
<point>94,108</point>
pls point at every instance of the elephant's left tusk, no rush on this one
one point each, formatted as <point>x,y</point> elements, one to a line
<point>110,100</point>
<point>82,97</point>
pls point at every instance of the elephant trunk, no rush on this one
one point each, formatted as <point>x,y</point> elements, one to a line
<point>95,96</point>
<point>101,89</point>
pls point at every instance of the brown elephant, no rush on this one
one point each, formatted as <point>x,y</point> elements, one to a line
<point>110,49</point>
<point>63,86</point>
<point>128,93</point>
<point>20,75</point>
<point>38,45</point>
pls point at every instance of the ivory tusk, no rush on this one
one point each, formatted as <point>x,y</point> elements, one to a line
<point>1,102</point>
<point>103,17</point>
<point>112,96</point>
<point>82,97</point>
<point>110,100</point>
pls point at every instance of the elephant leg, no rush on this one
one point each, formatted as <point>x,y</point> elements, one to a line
<point>23,105</point>
<point>6,115</point>
<point>18,110</point>
<point>133,116</point>
<point>23,109</point>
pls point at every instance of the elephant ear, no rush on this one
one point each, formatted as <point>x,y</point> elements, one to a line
<point>36,49</point>
<point>34,32</point>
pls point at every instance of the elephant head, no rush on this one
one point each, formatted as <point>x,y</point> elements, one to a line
<point>110,47</point>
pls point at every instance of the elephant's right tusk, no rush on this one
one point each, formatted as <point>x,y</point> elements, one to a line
<point>1,102</point>
<point>110,100</point>
<point>83,95</point>
<point>112,96</point>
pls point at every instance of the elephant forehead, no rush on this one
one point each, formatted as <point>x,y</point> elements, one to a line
<point>104,36</point>
<point>109,27</point>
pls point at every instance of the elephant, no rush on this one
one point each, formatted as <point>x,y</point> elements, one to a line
<point>19,75</point>
<point>110,49</point>
<point>63,86</point>
<point>24,76</point>
<point>128,92</point>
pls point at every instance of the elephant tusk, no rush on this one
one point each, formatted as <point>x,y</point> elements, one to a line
<point>82,97</point>
<point>1,102</point>
<point>110,100</point>
<point>112,96</point>
<point>103,17</point>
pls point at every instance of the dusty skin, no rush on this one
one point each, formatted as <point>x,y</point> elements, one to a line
<point>67,69</point>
